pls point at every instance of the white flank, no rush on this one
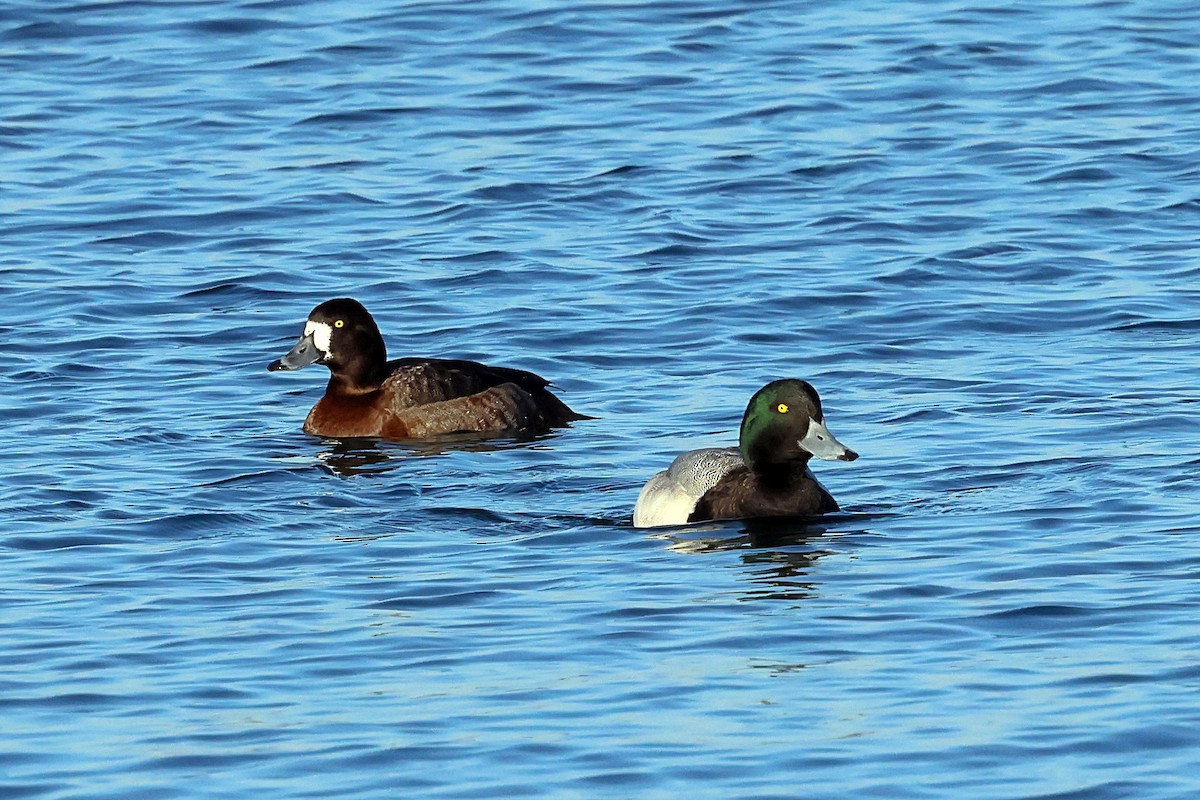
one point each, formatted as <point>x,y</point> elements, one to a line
<point>670,497</point>
<point>662,501</point>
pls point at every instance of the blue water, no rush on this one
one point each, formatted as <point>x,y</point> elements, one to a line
<point>975,228</point>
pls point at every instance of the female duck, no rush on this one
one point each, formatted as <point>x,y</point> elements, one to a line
<point>767,475</point>
<point>407,398</point>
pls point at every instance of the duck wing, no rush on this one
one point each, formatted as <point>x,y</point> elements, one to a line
<point>670,496</point>
<point>498,409</point>
<point>414,382</point>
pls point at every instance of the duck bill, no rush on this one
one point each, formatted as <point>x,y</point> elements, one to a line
<point>304,353</point>
<point>822,444</point>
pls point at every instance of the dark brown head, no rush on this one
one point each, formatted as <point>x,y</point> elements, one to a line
<point>342,335</point>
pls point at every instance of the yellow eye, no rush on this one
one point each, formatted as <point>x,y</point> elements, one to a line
<point>340,323</point>
<point>782,408</point>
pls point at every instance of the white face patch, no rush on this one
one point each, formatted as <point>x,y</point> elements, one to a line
<point>320,333</point>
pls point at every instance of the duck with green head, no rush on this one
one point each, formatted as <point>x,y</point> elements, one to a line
<point>766,475</point>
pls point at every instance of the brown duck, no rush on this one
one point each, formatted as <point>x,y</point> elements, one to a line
<point>411,398</point>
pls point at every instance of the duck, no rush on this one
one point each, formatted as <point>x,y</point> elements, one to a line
<point>766,475</point>
<point>411,398</point>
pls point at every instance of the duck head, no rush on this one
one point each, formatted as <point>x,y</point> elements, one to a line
<point>342,335</point>
<point>784,423</point>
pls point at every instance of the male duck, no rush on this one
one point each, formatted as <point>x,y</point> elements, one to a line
<point>766,475</point>
<point>408,398</point>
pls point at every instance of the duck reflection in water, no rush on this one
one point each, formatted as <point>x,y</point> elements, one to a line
<point>369,456</point>
<point>777,554</point>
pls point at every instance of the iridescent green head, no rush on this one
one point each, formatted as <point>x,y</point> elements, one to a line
<point>784,423</point>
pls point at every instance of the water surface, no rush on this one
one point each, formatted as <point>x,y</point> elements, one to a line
<point>973,228</point>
